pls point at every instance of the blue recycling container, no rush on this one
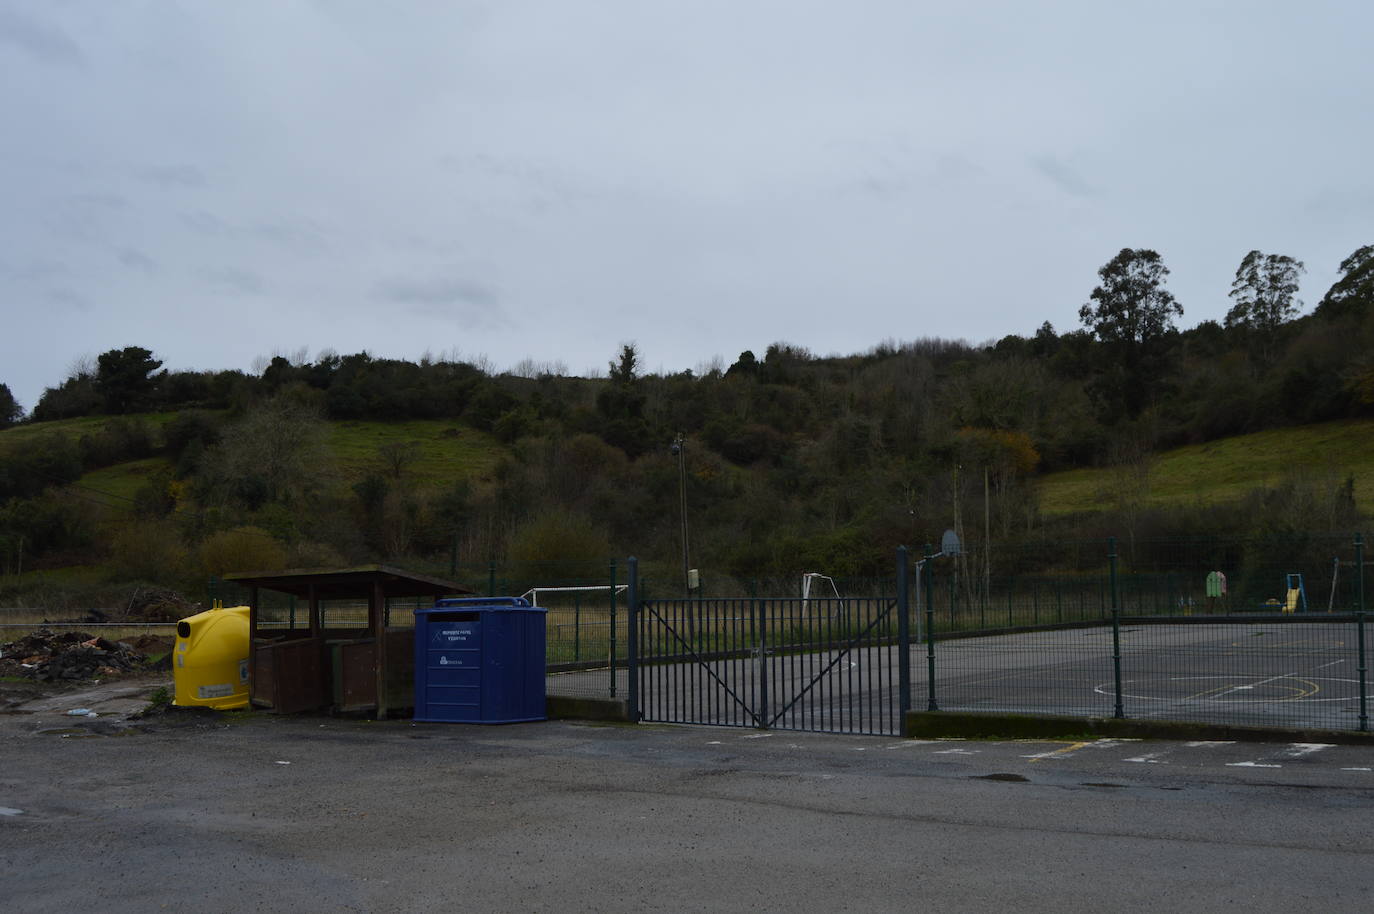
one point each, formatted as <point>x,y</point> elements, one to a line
<point>479,661</point>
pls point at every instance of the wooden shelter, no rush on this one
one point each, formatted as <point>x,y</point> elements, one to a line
<point>338,663</point>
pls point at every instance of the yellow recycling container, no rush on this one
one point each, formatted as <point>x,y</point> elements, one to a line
<point>210,659</point>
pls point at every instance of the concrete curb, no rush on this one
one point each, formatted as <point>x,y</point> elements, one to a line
<point>966,725</point>
<point>566,707</point>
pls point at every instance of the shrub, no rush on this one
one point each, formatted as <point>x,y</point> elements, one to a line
<point>241,549</point>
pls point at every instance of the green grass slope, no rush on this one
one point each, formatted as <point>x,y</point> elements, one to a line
<point>445,450</point>
<point>1226,469</point>
<point>26,433</point>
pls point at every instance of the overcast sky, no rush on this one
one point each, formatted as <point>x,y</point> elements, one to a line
<point>546,179</point>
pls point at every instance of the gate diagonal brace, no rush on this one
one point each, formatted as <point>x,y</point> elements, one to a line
<point>844,652</point>
<point>701,661</point>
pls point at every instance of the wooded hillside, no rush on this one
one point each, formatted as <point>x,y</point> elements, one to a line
<point>789,461</point>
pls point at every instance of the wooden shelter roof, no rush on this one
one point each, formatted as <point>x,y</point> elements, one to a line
<point>348,583</point>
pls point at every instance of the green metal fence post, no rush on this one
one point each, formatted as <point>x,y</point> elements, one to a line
<point>903,641</point>
<point>613,629</point>
<point>1011,588</point>
<point>953,581</point>
<point>1116,629</point>
<point>1359,627</point>
<point>632,611</point>
<point>765,710</point>
<point>491,578</point>
<point>930,631</point>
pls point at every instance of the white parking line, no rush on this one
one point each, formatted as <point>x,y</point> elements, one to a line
<point>956,752</point>
<point>1150,758</point>
<point>1074,748</point>
<point>1293,751</point>
<point>1209,743</point>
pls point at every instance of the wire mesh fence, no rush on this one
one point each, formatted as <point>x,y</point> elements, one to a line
<point>1003,586</point>
<point>1252,631</point>
<point>1289,673</point>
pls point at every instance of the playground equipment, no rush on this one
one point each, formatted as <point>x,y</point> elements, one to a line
<point>1296,599</point>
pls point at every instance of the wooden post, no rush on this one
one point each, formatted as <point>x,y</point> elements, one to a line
<point>376,613</point>
<point>252,645</point>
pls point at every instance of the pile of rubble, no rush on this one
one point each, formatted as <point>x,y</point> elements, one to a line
<point>49,656</point>
<point>158,604</point>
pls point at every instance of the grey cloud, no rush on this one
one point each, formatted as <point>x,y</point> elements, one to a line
<point>881,186</point>
<point>545,184</point>
<point>233,279</point>
<point>172,175</point>
<point>1341,203</point>
<point>300,236</point>
<point>136,260</point>
<point>1063,176</point>
<point>205,223</point>
<point>39,39</point>
<point>98,200</point>
<point>84,216</point>
<point>461,299</point>
<point>69,300</point>
<point>38,270</point>
<point>422,244</point>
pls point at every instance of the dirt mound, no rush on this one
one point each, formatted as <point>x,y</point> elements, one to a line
<point>48,656</point>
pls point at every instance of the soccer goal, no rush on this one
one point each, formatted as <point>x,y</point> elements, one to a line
<point>814,586</point>
<point>532,595</point>
<point>583,622</point>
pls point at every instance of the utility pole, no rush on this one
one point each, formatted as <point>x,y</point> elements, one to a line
<point>680,451</point>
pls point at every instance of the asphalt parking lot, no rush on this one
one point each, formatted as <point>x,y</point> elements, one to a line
<point>256,812</point>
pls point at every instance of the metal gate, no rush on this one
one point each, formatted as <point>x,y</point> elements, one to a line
<point>829,665</point>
